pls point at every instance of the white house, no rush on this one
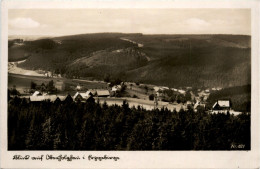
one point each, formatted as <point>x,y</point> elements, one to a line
<point>181,91</point>
<point>174,89</point>
<point>82,96</point>
<point>165,88</point>
<point>78,87</point>
<point>37,98</point>
<point>156,89</point>
<point>89,93</point>
<point>221,106</point>
<point>116,88</point>
<point>77,97</point>
<point>36,93</point>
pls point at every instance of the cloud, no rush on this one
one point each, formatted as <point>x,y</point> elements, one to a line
<point>24,23</point>
<point>196,25</point>
<point>196,22</point>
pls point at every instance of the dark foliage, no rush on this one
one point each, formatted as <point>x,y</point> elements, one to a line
<point>40,44</point>
<point>174,60</point>
<point>90,126</point>
<point>195,60</point>
<point>151,97</point>
<point>13,91</point>
<point>240,97</point>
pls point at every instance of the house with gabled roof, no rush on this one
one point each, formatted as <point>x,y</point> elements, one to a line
<point>66,99</point>
<point>89,93</point>
<point>78,97</point>
<point>83,96</point>
<point>93,91</point>
<point>103,93</point>
<point>221,106</point>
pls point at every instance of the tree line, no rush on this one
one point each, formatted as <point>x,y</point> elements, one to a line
<point>92,126</point>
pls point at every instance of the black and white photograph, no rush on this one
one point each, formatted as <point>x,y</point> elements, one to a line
<point>129,79</point>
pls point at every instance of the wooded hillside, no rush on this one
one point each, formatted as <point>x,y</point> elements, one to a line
<point>170,60</point>
<point>90,126</point>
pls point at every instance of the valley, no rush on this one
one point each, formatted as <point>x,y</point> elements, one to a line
<point>187,63</point>
<point>170,60</point>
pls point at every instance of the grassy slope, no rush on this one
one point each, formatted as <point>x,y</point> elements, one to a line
<point>21,81</point>
<point>109,62</point>
<point>57,56</point>
<point>176,60</point>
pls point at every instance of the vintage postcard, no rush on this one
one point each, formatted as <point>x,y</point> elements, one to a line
<point>113,84</point>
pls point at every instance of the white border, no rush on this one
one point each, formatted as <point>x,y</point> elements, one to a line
<point>139,159</point>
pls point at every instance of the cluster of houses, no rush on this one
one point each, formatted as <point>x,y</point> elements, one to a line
<point>87,96</point>
<point>201,96</point>
<point>220,106</point>
<point>198,100</point>
<point>159,89</point>
<point>39,97</point>
<point>51,98</point>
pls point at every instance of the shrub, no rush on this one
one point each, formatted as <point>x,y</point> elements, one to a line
<point>151,97</point>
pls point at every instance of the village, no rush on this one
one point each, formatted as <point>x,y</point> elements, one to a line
<point>146,96</point>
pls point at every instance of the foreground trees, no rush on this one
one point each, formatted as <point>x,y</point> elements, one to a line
<point>90,126</point>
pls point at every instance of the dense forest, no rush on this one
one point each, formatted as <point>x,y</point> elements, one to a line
<point>91,126</point>
<point>169,60</point>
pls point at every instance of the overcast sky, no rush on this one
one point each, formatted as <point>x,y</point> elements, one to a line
<point>56,22</point>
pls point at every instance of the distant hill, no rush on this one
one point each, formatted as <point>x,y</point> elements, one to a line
<point>171,60</point>
<point>196,60</point>
<point>27,37</point>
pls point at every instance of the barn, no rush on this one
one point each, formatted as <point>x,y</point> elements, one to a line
<point>103,93</point>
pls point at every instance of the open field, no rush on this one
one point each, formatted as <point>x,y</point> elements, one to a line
<point>147,104</point>
<point>22,81</point>
<point>14,69</point>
